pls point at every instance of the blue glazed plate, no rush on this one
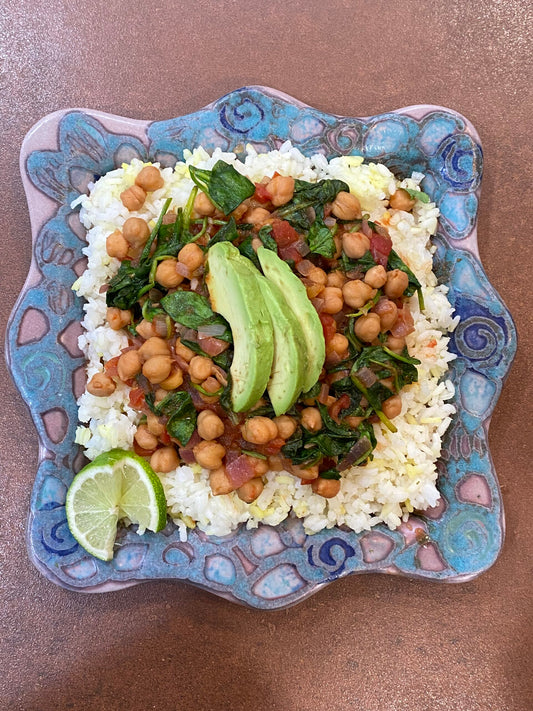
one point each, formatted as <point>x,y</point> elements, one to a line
<point>268,567</point>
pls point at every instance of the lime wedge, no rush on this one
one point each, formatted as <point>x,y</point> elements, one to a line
<point>116,485</point>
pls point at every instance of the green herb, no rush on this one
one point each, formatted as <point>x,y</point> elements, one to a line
<point>310,195</point>
<point>320,239</point>
<point>363,264</point>
<point>387,364</point>
<point>266,238</point>
<point>153,234</point>
<point>180,410</point>
<point>202,390</point>
<point>366,307</point>
<point>227,233</point>
<point>193,311</point>
<point>395,262</point>
<point>330,474</point>
<point>247,250</point>
<point>417,195</point>
<point>257,455</point>
<point>225,187</point>
<point>149,311</point>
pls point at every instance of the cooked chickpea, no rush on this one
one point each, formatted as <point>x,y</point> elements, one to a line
<point>203,206</point>
<point>117,318</point>
<point>209,424</point>
<point>387,312</point>
<point>166,274</point>
<point>367,327</point>
<point>376,276</point>
<point>192,256</point>
<point>135,231</point>
<point>355,244</point>
<point>200,368</point>
<point>318,276</point>
<point>154,424</point>
<point>152,347</point>
<point>149,178</point>
<point>256,216</point>
<point>328,488</point>
<point>260,466</point>
<point>353,421</point>
<point>356,293</point>
<point>157,368</point>
<point>336,279</point>
<point>133,198</point>
<point>395,343</point>
<point>101,385</point>
<point>220,482</point>
<point>210,385</point>
<point>346,206</point>
<point>311,419</point>
<point>129,365</point>
<point>401,200</point>
<point>250,490</point>
<point>286,426</point>
<point>145,329</point>
<point>259,430</point>
<point>338,343</point>
<point>397,282</point>
<point>281,190</point>
<point>392,406</point>
<point>116,246</point>
<point>209,454</point>
<point>307,473</point>
<point>174,380</point>
<point>145,438</point>
<point>184,352</point>
<point>164,460</point>
<point>333,301</point>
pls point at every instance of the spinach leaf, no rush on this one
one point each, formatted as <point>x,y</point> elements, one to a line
<point>395,262</point>
<point>320,239</point>
<point>180,410</point>
<point>330,474</point>
<point>363,264</point>
<point>266,238</point>
<point>193,311</point>
<point>247,250</point>
<point>125,287</point>
<point>417,195</point>
<point>225,187</point>
<point>310,195</point>
<point>227,233</point>
<point>386,364</point>
<point>223,359</point>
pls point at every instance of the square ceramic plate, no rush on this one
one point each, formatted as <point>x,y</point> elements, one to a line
<point>267,567</point>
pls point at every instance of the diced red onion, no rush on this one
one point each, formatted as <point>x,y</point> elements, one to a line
<point>366,229</point>
<point>356,452</point>
<point>366,376</point>
<point>318,303</point>
<point>330,221</point>
<point>324,393</point>
<point>302,247</point>
<point>304,267</point>
<point>183,269</point>
<point>211,329</point>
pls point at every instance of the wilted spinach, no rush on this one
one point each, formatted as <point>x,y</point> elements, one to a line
<point>395,262</point>
<point>181,413</point>
<point>225,187</point>
<point>309,198</point>
<point>194,311</point>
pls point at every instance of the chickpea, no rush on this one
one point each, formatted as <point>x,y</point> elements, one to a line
<point>154,424</point>
<point>281,190</point>
<point>203,206</point>
<point>259,430</point>
<point>145,329</point>
<point>286,426</point>
<point>200,368</point>
<point>116,246</point>
<point>355,244</point>
<point>256,216</point>
<point>101,385</point>
<point>210,385</point>
<point>220,482</point>
<point>388,383</point>
<point>338,343</point>
<point>209,424</point>
<point>387,312</point>
<point>333,301</point>
<point>356,293</point>
<point>149,178</point>
<point>174,380</point>
<point>164,460</point>
<point>395,343</point>
<point>157,368</point>
<point>260,466</point>
<point>392,406</point>
<point>307,473</point>
<point>336,279</point>
<point>184,352</point>
<point>401,200</point>
<point>250,490</point>
<point>129,365</point>
<point>192,256</point>
<point>328,488</point>
<point>346,206</point>
<point>367,327</point>
<point>209,455</point>
<point>117,318</point>
<point>397,282</point>
<point>160,395</point>
<point>133,198</point>
<point>376,276</point>
<point>318,276</point>
<point>136,231</point>
<point>166,274</point>
<point>145,438</point>
<point>353,421</point>
<point>311,419</point>
<point>152,347</point>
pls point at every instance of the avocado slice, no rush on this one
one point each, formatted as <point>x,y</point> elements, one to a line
<point>235,294</point>
<point>290,353</point>
<point>296,299</point>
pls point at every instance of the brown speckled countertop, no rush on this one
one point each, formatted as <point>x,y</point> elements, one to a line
<point>370,643</point>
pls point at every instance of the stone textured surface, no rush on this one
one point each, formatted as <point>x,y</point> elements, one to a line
<point>367,642</point>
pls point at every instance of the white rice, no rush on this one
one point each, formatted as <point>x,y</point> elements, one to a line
<point>402,476</point>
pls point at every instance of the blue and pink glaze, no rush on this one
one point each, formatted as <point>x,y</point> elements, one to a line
<point>267,567</point>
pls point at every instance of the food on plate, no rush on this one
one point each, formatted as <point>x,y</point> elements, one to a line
<point>268,335</point>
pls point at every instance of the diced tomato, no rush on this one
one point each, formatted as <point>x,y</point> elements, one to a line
<point>272,447</point>
<point>341,404</point>
<point>380,247</point>
<point>111,367</point>
<point>290,253</point>
<point>284,233</point>
<point>137,398</point>
<point>329,326</point>
<point>165,438</point>
<point>261,193</point>
<point>404,324</point>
